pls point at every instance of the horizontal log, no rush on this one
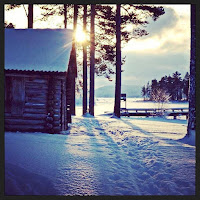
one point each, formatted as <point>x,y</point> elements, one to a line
<point>34,110</point>
<point>24,128</point>
<point>36,80</point>
<point>38,94</point>
<point>35,89</point>
<point>25,122</point>
<point>36,85</point>
<point>42,87</point>
<point>35,100</point>
<point>35,106</point>
<point>26,116</point>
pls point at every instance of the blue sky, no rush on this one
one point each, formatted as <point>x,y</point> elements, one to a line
<point>165,50</point>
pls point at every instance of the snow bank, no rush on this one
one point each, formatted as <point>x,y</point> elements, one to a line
<point>189,139</point>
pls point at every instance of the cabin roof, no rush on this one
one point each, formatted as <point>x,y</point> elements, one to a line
<point>38,49</point>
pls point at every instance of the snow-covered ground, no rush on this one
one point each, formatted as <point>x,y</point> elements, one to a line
<point>102,155</point>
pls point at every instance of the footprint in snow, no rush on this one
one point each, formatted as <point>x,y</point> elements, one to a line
<point>114,178</point>
<point>101,129</point>
<point>130,154</point>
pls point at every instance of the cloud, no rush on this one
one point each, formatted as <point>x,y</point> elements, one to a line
<point>175,46</point>
<point>171,32</point>
<point>164,23</point>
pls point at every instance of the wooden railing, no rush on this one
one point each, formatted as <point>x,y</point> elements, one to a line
<point>154,112</point>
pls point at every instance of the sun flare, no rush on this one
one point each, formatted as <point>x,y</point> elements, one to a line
<point>80,36</point>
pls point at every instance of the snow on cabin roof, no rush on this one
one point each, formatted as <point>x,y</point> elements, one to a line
<point>38,49</point>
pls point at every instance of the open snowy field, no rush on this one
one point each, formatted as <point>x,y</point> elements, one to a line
<point>102,155</point>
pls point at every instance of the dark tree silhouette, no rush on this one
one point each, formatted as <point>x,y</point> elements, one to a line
<point>74,70</point>
<point>144,92</point>
<point>173,85</point>
<point>30,15</point>
<point>92,60</point>
<point>177,85</point>
<point>84,63</point>
<point>192,118</point>
<point>186,85</point>
<point>65,15</point>
<point>118,63</point>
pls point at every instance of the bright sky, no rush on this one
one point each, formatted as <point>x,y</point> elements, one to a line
<point>165,50</point>
<point>176,34</point>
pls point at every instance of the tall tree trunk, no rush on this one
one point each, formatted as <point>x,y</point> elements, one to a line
<point>74,74</point>
<point>191,119</point>
<point>65,15</point>
<point>118,64</point>
<point>30,15</point>
<point>84,63</point>
<point>92,61</point>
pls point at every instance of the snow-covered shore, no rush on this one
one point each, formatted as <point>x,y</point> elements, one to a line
<point>103,156</point>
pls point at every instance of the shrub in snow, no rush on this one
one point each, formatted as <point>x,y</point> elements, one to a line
<point>160,96</point>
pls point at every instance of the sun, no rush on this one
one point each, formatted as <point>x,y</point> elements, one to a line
<point>80,36</point>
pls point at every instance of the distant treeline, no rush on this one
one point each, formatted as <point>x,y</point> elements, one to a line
<point>176,87</point>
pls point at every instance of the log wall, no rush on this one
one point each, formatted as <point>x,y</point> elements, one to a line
<point>35,103</point>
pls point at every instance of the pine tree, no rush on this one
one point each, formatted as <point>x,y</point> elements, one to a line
<point>186,85</point>
<point>177,84</point>
<point>154,88</point>
<point>144,92</point>
<point>148,90</point>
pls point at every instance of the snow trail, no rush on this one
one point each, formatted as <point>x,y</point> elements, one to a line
<point>104,156</point>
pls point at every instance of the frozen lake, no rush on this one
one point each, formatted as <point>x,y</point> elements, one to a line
<point>103,105</point>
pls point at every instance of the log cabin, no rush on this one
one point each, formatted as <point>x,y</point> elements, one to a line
<point>37,79</point>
